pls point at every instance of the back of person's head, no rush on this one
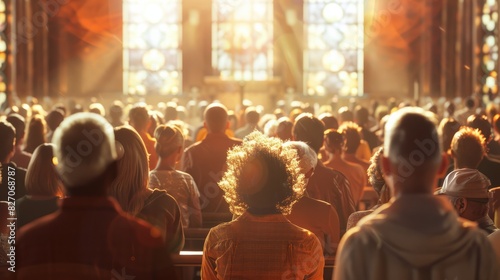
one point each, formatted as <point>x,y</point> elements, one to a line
<point>308,159</point>
<point>284,129</point>
<point>169,138</point>
<point>479,121</point>
<point>130,186</point>
<point>352,135</point>
<point>41,177</point>
<point>84,146</point>
<point>450,108</point>
<point>447,128</point>
<point>329,121</point>
<point>216,118</point>
<point>263,176</point>
<point>171,111</point>
<point>139,117</point>
<point>7,141</point>
<point>334,141</point>
<point>97,108</point>
<point>467,190</point>
<point>470,103</point>
<point>467,148</point>
<point>374,172</point>
<point>251,115</point>
<point>116,111</point>
<point>35,135</point>
<point>361,115</point>
<point>413,149</point>
<point>345,115</point>
<point>54,118</point>
<point>19,124</point>
<point>309,129</point>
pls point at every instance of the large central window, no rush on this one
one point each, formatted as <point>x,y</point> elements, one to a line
<point>152,58</point>
<point>333,55</point>
<point>242,39</point>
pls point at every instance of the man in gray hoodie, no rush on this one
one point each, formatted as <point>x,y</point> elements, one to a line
<point>417,235</point>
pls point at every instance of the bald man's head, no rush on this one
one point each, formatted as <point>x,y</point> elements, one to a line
<point>215,118</point>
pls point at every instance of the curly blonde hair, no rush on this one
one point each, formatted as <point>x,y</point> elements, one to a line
<point>262,172</point>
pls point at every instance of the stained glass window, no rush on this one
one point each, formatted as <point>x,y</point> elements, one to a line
<point>152,58</point>
<point>242,39</point>
<point>333,56</point>
<point>489,47</point>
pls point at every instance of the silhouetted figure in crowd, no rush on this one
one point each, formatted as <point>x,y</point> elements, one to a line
<point>489,166</point>
<point>10,171</point>
<point>315,215</point>
<point>116,114</point>
<point>140,121</point>
<point>362,118</point>
<point>21,158</point>
<point>205,161</point>
<point>447,129</point>
<point>43,188</point>
<point>169,147</point>
<point>355,173</point>
<point>35,135</point>
<point>356,150</point>
<point>261,184</point>
<point>417,235</point>
<point>130,189</point>
<point>53,119</point>
<point>325,184</point>
<point>465,112</point>
<point>252,118</point>
<point>90,237</point>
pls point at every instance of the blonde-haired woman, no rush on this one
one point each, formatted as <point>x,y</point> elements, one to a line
<point>169,147</point>
<point>130,189</point>
<point>43,187</point>
<point>261,184</point>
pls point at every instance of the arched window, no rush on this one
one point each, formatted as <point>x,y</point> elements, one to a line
<point>152,58</point>
<point>333,55</point>
<point>242,39</point>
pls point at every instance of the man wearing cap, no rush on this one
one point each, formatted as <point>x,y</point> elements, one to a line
<point>417,235</point>
<point>90,237</point>
<point>467,190</point>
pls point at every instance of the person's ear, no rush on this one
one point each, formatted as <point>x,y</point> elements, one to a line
<point>443,167</point>
<point>228,125</point>
<point>461,205</point>
<point>205,124</point>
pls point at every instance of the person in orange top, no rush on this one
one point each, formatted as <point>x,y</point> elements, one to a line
<point>138,118</point>
<point>334,144</point>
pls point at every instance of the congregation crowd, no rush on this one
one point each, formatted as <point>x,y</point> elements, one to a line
<point>110,192</point>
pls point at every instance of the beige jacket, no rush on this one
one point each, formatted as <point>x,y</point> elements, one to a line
<point>415,237</point>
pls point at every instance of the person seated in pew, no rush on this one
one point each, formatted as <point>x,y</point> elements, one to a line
<point>417,235</point>
<point>315,215</point>
<point>90,237</point>
<point>262,183</point>
<point>169,147</point>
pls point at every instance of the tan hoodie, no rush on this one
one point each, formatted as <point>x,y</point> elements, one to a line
<point>415,237</point>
